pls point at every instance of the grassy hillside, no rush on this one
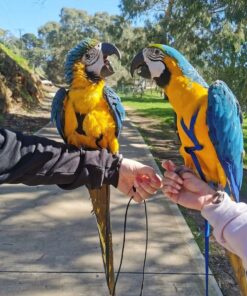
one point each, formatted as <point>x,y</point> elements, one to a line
<point>22,62</point>
<point>18,84</point>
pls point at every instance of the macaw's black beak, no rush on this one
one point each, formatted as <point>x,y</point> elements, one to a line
<point>140,65</point>
<point>110,49</point>
<point>107,50</point>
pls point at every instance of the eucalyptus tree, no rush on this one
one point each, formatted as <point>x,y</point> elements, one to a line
<point>211,33</point>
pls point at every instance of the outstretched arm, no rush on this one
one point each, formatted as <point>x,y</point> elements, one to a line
<point>33,160</point>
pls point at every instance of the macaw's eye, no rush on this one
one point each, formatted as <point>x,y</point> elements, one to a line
<point>156,51</point>
<point>91,56</point>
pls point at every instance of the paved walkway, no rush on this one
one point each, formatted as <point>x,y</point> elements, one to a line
<point>49,242</point>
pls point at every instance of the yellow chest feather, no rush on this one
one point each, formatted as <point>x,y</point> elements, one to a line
<point>98,125</point>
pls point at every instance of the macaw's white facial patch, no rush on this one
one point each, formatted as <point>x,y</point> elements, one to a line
<point>153,57</point>
<point>94,60</point>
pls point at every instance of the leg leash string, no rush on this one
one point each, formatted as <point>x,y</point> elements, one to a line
<point>123,245</point>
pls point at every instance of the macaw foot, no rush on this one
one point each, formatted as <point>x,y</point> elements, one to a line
<point>81,141</point>
<point>102,143</point>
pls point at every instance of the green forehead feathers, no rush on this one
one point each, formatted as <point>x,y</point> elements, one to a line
<point>76,54</point>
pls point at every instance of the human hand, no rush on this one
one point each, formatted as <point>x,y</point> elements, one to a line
<point>142,177</point>
<point>187,190</point>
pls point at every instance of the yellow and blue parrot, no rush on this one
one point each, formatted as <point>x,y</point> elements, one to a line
<point>209,124</point>
<point>90,114</point>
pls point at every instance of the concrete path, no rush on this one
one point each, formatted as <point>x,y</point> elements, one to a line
<point>49,242</point>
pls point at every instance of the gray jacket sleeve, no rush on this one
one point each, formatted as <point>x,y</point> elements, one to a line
<point>33,160</point>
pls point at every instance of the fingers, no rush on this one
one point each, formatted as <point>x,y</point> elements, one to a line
<point>171,192</point>
<point>148,187</point>
<point>170,189</point>
<point>168,165</point>
<point>172,184</point>
<point>137,198</point>
<point>135,193</point>
<point>150,173</point>
<point>144,188</point>
<point>172,177</point>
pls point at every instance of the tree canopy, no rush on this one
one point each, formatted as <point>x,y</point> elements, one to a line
<point>210,33</point>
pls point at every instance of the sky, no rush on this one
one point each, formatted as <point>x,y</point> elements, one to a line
<point>26,16</point>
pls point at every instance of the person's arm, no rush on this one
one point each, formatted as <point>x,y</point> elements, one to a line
<point>33,160</point>
<point>228,218</point>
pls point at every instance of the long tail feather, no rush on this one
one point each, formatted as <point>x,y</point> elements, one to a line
<point>101,207</point>
<point>239,272</point>
<point>237,265</point>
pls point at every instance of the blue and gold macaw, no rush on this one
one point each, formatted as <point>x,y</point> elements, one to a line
<point>209,123</point>
<point>90,114</point>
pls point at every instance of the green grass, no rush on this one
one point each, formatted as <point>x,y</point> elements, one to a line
<point>198,234</point>
<point>150,105</point>
<point>17,58</point>
<point>24,94</point>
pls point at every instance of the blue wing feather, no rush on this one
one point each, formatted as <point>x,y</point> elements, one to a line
<point>224,120</point>
<point>114,102</point>
<point>57,111</point>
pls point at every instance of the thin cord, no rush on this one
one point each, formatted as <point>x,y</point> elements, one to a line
<point>123,246</point>
<point>206,243</point>
<point>146,248</point>
<point>121,260</point>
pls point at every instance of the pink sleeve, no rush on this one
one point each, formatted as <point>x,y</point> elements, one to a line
<point>229,220</point>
